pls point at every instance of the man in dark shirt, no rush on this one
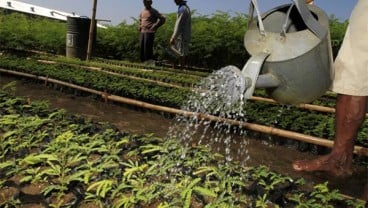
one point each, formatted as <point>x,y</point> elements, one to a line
<point>149,20</point>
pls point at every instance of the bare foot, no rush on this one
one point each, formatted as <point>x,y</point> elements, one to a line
<point>329,163</point>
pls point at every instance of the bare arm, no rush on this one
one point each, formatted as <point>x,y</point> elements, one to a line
<point>161,20</point>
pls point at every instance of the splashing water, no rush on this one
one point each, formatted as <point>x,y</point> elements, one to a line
<point>220,95</point>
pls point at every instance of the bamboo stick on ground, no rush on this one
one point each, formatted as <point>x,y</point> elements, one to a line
<point>303,106</point>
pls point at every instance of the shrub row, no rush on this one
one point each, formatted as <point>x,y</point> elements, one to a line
<point>68,161</point>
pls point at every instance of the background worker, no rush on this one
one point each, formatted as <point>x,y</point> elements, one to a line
<point>181,36</point>
<point>149,21</point>
<point>350,82</point>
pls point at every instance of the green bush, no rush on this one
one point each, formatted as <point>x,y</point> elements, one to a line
<point>212,46</point>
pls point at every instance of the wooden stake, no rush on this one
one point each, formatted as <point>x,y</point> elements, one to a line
<point>91,31</point>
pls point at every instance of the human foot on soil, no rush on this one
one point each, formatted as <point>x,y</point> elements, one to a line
<point>328,163</point>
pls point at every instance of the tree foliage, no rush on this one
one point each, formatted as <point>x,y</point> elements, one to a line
<point>28,32</point>
<point>217,39</point>
<point>337,31</point>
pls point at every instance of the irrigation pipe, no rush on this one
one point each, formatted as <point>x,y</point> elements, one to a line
<point>359,150</point>
<point>255,98</point>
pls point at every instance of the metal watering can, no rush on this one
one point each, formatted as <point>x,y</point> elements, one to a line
<point>291,55</point>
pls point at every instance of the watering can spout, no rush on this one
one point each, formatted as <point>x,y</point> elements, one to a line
<point>267,81</point>
<point>251,72</point>
<point>236,84</point>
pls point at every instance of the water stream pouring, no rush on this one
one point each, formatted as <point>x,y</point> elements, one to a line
<point>291,55</point>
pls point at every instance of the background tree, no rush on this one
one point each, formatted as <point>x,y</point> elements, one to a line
<point>337,30</point>
<point>217,39</point>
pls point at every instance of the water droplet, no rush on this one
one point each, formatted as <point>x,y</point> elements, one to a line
<point>213,96</point>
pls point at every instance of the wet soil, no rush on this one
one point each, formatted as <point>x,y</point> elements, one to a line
<point>138,121</point>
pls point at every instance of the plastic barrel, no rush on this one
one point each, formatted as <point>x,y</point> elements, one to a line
<point>77,37</point>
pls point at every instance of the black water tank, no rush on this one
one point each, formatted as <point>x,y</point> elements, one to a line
<point>77,37</point>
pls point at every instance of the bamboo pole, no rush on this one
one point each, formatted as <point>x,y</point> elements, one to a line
<point>160,83</point>
<point>302,106</point>
<point>91,31</point>
<point>359,150</point>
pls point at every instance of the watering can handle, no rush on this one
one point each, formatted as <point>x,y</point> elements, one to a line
<point>254,6</point>
<point>312,24</point>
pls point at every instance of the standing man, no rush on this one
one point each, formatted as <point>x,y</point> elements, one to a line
<point>182,32</point>
<point>149,20</point>
<point>351,84</point>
